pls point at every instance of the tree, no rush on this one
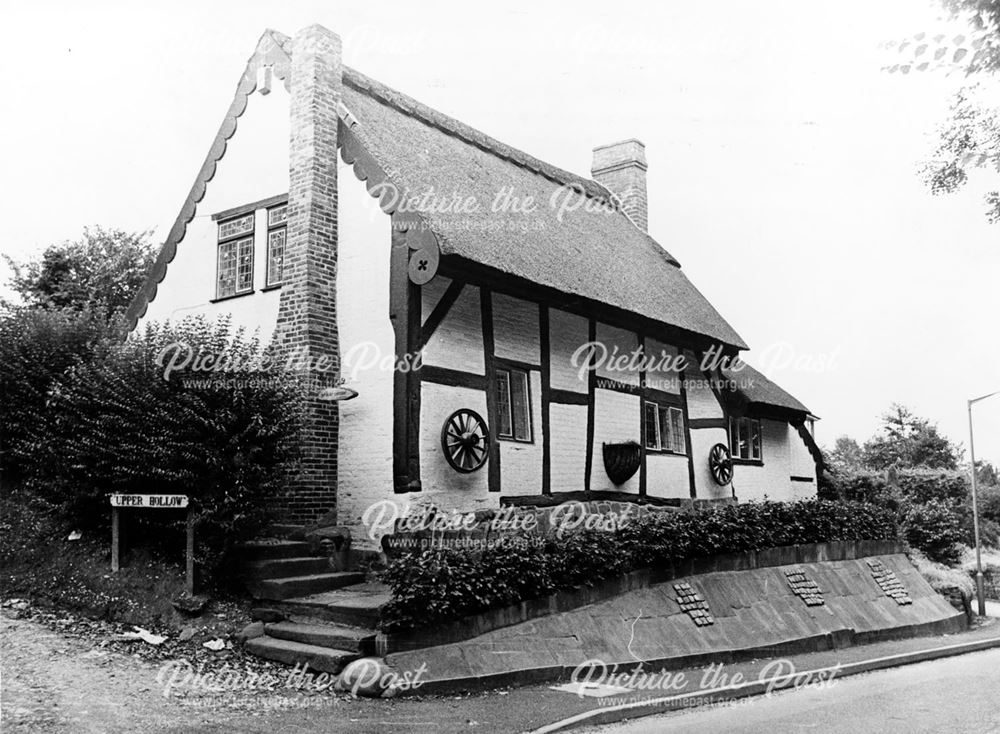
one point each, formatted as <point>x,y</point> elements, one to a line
<point>101,271</point>
<point>908,441</point>
<point>970,139</point>
<point>846,454</point>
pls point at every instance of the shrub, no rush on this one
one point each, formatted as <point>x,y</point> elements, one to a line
<point>37,349</point>
<point>935,529</point>
<point>438,585</point>
<point>941,577</point>
<point>116,425</point>
<point>923,485</point>
<point>441,585</point>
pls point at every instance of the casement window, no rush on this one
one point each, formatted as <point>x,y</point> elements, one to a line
<point>664,428</point>
<point>513,404</point>
<point>277,229</point>
<point>745,439</point>
<point>235,263</point>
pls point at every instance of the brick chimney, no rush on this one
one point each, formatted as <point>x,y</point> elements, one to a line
<point>306,334</point>
<point>621,168</point>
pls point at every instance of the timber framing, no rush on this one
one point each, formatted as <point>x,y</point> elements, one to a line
<point>404,313</point>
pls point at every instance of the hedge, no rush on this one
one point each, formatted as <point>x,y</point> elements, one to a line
<point>440,585</point>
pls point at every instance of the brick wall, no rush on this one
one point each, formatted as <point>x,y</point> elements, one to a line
<point>307,311</point>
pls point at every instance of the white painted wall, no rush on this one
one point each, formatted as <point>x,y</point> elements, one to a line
<point>515,329</point>
<point>458,342</point>
<point>702,402</point>
<point>254,167</point>
<point>702,441</point>
<point>667,475</point>
<point>566,333</point>
<point>769,481</point>
<point>660,375</point>
<point>442,485</point>
<point>620,345</point>
<point>568,447</point>
<point>367,349</point>
<point>616,419</point>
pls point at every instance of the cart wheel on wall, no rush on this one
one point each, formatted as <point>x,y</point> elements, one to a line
<point>465,441</point>
<point>720,462</point>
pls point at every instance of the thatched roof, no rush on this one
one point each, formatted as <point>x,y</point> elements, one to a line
<point>594,252</point>
<point>756,389</point>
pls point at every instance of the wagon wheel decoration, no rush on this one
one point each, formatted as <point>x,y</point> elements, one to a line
<point>720,462</point>
<point>465,440</point>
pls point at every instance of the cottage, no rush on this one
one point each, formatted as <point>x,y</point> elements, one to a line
<point>506,330</point>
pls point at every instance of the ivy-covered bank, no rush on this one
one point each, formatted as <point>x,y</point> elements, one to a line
<point>444,584</point>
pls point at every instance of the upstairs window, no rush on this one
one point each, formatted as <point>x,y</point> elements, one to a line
<point>664,428</point>
<point>277,228</point>
<point>513,404</point>
<point>235,259</point>
<point>745,439</point>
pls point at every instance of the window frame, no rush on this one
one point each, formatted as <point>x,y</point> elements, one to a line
<point>235,239</point>
<point>667,440</point>
<point>272,228</point>
<point>737,427</point>
<point>509,370</point>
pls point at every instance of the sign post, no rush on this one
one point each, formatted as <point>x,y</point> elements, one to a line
<point>154,502</point>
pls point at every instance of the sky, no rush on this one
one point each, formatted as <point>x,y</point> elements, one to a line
<point>784,163</point>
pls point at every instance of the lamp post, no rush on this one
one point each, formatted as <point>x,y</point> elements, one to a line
<point>980,595</point>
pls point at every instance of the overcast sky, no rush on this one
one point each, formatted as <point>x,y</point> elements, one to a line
<point>783,164</point>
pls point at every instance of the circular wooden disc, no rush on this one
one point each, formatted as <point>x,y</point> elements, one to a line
<point>424,264</point>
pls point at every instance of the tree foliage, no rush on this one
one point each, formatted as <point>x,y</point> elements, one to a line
<point>908,441</point>
<point>970,139</point>
<point>102,270</point>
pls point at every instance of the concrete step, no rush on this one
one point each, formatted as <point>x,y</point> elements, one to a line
<point>270,548</point>
<point>337,637</point>
<point>291,653</point>
<point>358,605</point>
<point>291,586</point>
<point>279,567</point>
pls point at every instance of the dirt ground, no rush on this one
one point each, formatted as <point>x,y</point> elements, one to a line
<point>52,682</point>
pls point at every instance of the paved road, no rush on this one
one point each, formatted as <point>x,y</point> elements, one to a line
<point>954,694</point>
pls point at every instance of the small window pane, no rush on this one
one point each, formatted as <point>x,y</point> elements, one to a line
<point>244,268</point>
<point>652,427</point>
<point>664,416</point>
<point>236,227</point>
<point>519,405</point>
<point>227,269</point>
<point>744,439</point>
<point>755,439</point>
<point>275,256</point>
<point>277,215</point>
<point>503,404</point>
<point>678,444</point>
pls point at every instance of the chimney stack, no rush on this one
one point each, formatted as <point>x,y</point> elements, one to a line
<point>621,168</point>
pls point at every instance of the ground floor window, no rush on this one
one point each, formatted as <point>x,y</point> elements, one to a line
<point>745,438</point>
<point>664,428</point>
<point>513,404</point>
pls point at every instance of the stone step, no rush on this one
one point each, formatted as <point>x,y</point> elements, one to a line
<point>358,605</point>
<point>292,586</point>
<point>291,653</point>
<point>337,637</point>
<point>271,548</point>
<point>279,567</point>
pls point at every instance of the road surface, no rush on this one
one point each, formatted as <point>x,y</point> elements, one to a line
<point>954,694</point>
